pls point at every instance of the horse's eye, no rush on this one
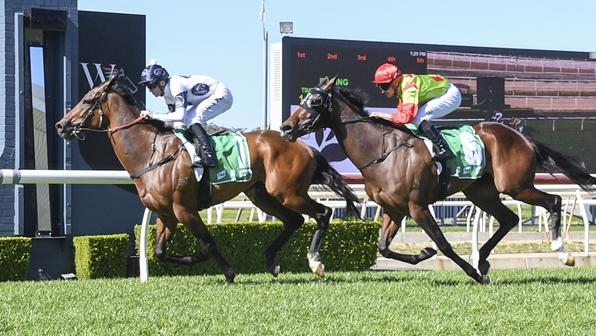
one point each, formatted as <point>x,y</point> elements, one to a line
<point>87,101</point>
<point>314,101</point>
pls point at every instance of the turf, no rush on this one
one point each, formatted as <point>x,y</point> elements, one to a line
<point>524,302</point>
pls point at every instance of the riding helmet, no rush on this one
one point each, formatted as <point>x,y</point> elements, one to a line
<point>386,73</point>
<point>153,73</point>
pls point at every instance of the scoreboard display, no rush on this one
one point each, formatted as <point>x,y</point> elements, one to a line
<point>306,61</point>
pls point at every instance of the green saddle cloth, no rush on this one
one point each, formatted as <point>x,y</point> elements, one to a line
<point>469,161</point>
<point>233,159</point>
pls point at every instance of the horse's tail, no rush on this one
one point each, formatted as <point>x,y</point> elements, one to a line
<point>553,162</point>
<point>329,177</point>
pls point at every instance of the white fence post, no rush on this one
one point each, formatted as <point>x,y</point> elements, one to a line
<point>143,263</point>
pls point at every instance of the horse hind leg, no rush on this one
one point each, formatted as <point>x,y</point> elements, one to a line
<point>389,229</point>
<point>290,219</point>
<point>322,215</point>
<point>165,229</point>
<point>552,203</point>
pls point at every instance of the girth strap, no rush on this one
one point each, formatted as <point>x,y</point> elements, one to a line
<point>163,161</point>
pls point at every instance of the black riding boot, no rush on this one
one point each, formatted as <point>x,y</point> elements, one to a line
<point>442,149</point>
<point>203,145</point>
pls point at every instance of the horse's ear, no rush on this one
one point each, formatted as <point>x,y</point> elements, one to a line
<point>109,82</point>
<point>329,83</point>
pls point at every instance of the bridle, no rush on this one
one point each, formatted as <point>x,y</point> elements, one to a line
<point>95,104</point>
<point>312,107</point>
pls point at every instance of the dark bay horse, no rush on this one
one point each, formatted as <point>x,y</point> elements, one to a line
<point>282,174</point>
<point>400,175</point>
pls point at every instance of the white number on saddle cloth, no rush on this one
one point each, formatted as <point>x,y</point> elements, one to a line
<point>473,153</point>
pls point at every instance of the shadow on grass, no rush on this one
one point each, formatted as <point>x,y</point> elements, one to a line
<point>339,278</point>
<point>443,279</point>
<point>549,280</point>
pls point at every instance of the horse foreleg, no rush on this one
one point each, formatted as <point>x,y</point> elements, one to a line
<point>423,217</point>
<point>164,230</point>
<point>390,227</point>
<point>207,244</point>
<point>290,219</point>
<point>485,196</point>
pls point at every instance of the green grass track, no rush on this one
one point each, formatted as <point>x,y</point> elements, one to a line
<point>521,302</point>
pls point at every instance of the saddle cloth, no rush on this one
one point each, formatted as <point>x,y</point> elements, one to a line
<point>233,157</point>
<point>469,161</point>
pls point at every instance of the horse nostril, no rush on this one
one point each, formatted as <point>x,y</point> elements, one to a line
<point>58,126</point>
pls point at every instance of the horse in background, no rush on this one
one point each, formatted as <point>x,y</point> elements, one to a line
<point>154,157</point>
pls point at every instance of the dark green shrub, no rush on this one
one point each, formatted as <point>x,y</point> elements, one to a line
<point>14,258</point>
<point>103,256</point>
<point>348,246</point>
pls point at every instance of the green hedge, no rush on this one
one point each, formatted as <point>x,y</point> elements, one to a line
<point>102,256</point>
<point>14,258</point>
<point>348,246</point>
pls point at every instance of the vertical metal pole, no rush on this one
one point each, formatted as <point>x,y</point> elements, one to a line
<point>265,66</point>
<point>66,189</point>
<point>19,43</point>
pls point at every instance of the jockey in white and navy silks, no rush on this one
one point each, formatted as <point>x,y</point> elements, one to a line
<point>192,100</point>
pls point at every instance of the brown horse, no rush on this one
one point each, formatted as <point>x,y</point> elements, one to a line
<point>153,156</point>
<point>400,175</point>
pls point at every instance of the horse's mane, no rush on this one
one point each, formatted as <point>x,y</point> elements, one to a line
<point>356,97</point>
<point>122,87</point>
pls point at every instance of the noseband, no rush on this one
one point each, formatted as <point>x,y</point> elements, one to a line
<point>95,105</point>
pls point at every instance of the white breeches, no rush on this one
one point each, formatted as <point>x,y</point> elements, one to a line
<point>220,101</point>
<point>440,106</point>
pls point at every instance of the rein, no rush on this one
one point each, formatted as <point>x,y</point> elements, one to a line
<point>97,106</point>
<point>383,156</point>
<point>355,120</point>
<point>125,126</point>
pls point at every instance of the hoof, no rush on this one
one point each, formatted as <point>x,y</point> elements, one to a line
<point>427,252</point>
<point>567,259</point>
<point>315,265</point>
<point>484,267</point>
<point>274,269</point>
<point>230,278</point>
<point>486,280</point>
<point>319,270</point>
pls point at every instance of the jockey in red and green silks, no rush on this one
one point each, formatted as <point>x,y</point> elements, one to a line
<point>415,91</point>
<point>422,98</point>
